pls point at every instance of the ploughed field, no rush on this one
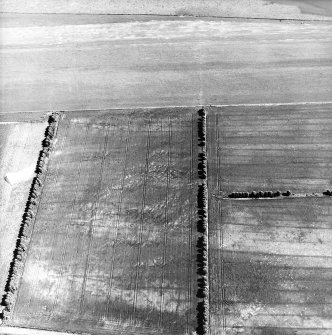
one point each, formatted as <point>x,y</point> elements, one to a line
<point>270,258</point>
<point>262,148</point>
<point>113,245</point>
<point>271,266</point>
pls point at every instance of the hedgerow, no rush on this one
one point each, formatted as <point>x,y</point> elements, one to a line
<point>259,194</point>
<point>202,228</point>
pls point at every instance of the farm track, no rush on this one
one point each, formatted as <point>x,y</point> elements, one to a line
<point>115,244</point>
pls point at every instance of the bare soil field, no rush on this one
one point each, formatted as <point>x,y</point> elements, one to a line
<point>271,266</point>
<point>114,243</point>
<point>265,148</point>
<point>70,62</point>
<point>20,144</point>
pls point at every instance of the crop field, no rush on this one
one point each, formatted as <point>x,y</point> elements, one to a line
<point>113,249</point>
<point>270,258</point>
<point>181,61</point>
<point>270,148</point>
<point>271,266</point>
<point>19,147</point>
<point>179,222</point>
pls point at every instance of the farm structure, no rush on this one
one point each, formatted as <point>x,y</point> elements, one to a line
<point>113,249</point>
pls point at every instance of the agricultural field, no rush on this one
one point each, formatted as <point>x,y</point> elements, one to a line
<point>270,258</point>
<point>124,240</point>
<point>113,249</point>
<point>169,220</point>
<point>254,148</point>
<point>271,266</point>
<point>70,62</point>
<point>20,143</point>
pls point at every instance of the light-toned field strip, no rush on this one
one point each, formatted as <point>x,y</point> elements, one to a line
<point>113,248</point>
<point>162,63</point>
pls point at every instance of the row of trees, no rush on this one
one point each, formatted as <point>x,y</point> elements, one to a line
<point>201,208</point>
<point>202,228</point>
<point>260,194</point>
<point>201,127</point>
<point>267,194</point>
<point>19,255</point>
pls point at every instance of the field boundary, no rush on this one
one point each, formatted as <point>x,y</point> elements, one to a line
<point>20,252</point>
<point>206,105</point>
<point>202,228</point>
<point>183,16</point>
<point>272,195</point>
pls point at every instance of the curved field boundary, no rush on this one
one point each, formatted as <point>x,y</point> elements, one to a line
<point>20,252</point>
<point>202,228</point>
